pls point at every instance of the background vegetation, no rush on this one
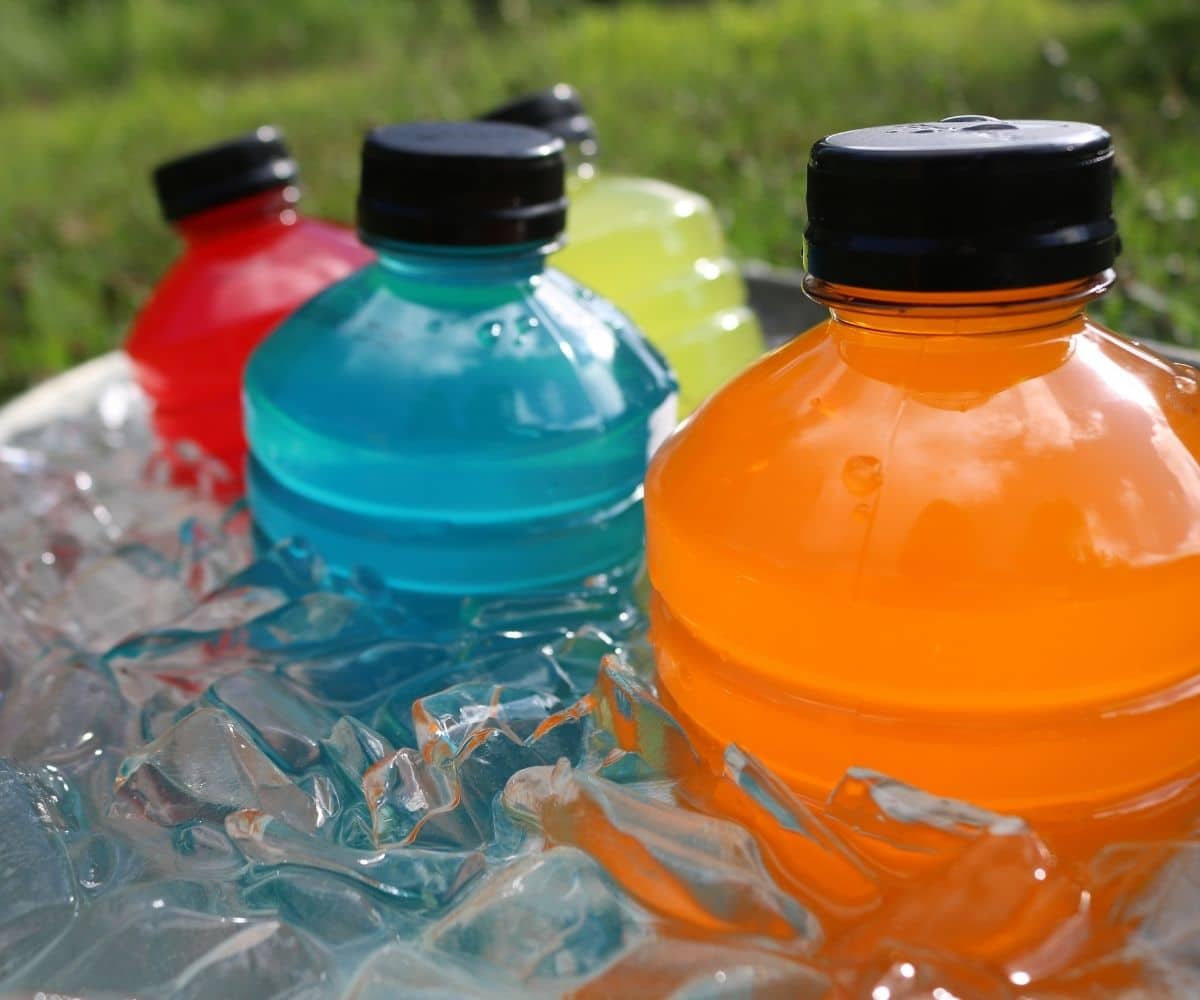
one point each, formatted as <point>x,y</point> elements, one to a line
<point>724,97</point>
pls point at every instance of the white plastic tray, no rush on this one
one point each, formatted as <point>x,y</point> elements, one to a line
<point>73,393</point>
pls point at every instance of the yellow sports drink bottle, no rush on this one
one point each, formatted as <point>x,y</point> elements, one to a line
<point>654,249</point>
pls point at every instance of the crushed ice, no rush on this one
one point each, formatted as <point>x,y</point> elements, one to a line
<point>225,774</point>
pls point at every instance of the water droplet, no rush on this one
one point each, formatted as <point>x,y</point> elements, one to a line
<point>584,294</point>
<point>434,326</point>
<point>862,475</point>
<point>490,333</point>
<point>527,326</point>
<point>861,512</point>
<point>1184,393</point>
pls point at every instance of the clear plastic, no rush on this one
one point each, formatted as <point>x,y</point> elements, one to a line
<point>459,421</point>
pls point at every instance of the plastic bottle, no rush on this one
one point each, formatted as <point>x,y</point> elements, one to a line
<point>250,258</point>
<point>951,533</point>
<point>654,249</point>
<point>458,417</point>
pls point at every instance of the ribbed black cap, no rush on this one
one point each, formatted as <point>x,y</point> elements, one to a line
<point>559,111</point>
<point>462,184</point>
<point>223,173</point>
<point>965,203</point>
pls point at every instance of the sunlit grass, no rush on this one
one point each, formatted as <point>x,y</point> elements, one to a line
<point>725,98</point>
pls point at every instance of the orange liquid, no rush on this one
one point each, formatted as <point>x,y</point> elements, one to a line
<point>953,538</point>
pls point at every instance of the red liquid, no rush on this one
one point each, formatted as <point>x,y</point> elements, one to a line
<point>246,266</point>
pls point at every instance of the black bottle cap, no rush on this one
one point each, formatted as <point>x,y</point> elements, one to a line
<point>462,184</point>
<point>967,203</point>
<point>223,173</point>
<point>559,111</point>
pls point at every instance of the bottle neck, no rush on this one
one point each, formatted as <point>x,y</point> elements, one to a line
<point>271,208</point>
<point>957,350</point>
<point>478,268</point>
<point>957,314</point>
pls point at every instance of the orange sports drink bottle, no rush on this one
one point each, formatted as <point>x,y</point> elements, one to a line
<point>952,533</point>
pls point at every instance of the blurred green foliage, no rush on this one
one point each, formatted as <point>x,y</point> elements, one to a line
<point>724,97</point>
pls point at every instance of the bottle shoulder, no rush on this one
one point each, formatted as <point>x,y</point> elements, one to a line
<point>532,358</point>
<point>1085,431</point>
<point>644,193</point>
<point>632,236</point>
<point>213,286</point>
<point>332,238</point>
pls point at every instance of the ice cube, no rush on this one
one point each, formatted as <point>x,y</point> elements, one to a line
<point>607,603</point>
<point>209,555</point>
<point>37,890</point>
<point>968,882</point>
<point>451,717</point>
<point>178,939</point>
<point>289,726</point>
<point>360,680</point>
<point>552,917</point>
<point>1150,919</point>
<point>529,668</point>
<point>182,657</point>
<point>703,872</point>
<point>102,598</point>
<point>338,912</point>
<point>62,709</point>
<point>444,795</point>
<point>204,767</point>
<point>425,977</point>
<point>635,721</point>
<point>39,503</point>
<point>416,878</point>
<point>405,793</point>
<point>868,798</point>
<point>809,854</point>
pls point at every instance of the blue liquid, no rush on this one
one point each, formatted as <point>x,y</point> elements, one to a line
<point>458,421</point>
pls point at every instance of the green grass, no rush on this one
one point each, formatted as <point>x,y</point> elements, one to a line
<point>724,97</point>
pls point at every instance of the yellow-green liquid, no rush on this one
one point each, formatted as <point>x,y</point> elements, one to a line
<point>658,252</point>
